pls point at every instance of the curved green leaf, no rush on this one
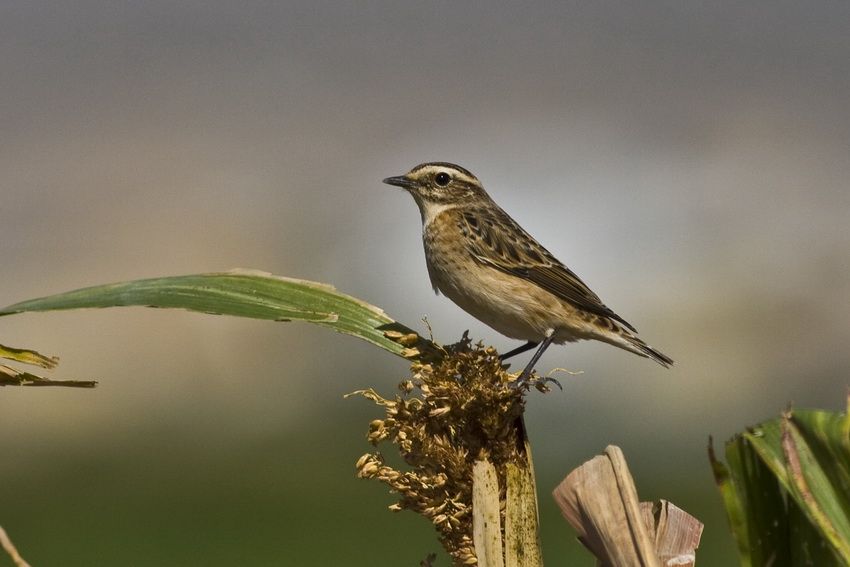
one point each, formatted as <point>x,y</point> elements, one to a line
<point>245,293</point>
<point>786,489</point>
<point>754,505</point>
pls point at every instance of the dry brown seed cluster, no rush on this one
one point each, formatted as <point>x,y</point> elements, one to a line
<point>449,413</point>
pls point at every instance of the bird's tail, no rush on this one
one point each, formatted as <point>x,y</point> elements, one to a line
<point>641,348</point>
<point>615,333</point>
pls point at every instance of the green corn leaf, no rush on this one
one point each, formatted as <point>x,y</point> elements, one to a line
<point>246,293</point>
<point>828,435</point>
<point>785,489</point>
<point>754,505</point>
<point>807,545</point>
<point>813,491</point>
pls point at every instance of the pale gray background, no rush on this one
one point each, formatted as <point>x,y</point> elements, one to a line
<point>689,160</point>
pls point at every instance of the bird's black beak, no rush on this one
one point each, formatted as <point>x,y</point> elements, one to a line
<point>399,181</point>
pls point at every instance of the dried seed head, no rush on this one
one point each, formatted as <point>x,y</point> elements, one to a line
<point>436,412</point>
<point>408,340</point>
<point>362,461</point>
<point>448,413</point>
<point>410,352</point>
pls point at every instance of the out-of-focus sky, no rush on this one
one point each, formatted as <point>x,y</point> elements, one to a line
<point>690,161</point>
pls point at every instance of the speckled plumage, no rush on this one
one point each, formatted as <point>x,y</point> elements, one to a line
<point>481,259</point>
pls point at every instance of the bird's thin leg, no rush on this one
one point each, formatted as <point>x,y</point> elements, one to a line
<point>523,377</point>
<point>518,350</point>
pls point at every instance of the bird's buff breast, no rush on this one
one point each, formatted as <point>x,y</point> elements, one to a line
<point>510,305</point>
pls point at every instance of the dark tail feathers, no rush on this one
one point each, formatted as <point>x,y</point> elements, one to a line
<point>644,349</point>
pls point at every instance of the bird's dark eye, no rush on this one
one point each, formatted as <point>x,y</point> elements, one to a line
<point>442,179</point>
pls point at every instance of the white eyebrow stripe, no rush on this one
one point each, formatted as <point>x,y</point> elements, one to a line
<point>428,170</point>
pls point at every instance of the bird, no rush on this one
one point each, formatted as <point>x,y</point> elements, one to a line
<point>486,263</point>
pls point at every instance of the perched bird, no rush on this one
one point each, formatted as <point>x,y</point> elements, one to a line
<point>481,259</point>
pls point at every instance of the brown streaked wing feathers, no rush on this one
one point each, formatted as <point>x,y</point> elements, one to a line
<point>497,240</point>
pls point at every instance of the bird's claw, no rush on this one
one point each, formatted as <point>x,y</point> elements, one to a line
<point>521,381</point>
<point>539,381</point>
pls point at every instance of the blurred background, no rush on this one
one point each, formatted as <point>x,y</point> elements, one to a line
<point>688,160</point>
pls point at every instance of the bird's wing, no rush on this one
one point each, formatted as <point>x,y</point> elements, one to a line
<point>495,239</point>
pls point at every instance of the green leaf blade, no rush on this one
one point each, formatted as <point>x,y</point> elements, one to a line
<point>814,492</point>
<point>785,490</point>
<point>754,505</point>
<point>240,293</point>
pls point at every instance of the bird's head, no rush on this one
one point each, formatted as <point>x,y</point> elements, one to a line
<point>440,183</point>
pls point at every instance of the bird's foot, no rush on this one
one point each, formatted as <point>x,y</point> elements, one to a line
<point>541,383</point>
<point>527,377</point>
<point>522,380</point>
